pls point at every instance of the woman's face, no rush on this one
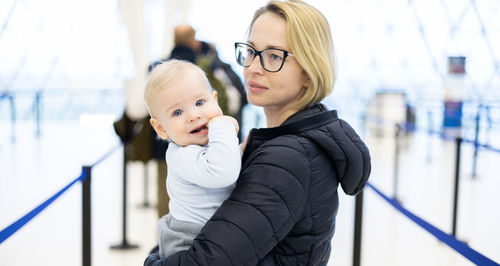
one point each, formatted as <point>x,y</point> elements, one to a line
<point>278,90</point>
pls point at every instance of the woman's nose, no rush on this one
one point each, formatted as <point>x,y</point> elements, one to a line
<point>256,66</point>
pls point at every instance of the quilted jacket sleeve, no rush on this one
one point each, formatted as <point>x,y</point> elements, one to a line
<point>268,199</point>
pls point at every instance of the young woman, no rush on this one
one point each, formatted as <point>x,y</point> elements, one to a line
<point>283,208</point>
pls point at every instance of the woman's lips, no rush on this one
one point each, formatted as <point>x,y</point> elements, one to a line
<point>255,87</point>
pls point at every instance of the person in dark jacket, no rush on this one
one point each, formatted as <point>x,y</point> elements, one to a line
<point>284,205</point>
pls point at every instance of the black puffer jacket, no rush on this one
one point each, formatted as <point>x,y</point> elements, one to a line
<point>283,209</point>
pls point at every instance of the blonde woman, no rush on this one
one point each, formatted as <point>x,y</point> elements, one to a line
<point>283,208</point>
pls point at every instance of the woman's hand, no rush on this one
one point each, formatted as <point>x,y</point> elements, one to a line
<point>243,145</point>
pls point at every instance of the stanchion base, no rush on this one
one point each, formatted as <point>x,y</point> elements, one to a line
<point>465,242</point>
<point>124,245</point>
<point>398,200</point>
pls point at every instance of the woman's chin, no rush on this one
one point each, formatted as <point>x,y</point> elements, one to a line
<point>255,100</point>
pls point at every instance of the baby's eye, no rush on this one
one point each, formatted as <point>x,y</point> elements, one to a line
<point>200,102</point>
<point>177,112</point>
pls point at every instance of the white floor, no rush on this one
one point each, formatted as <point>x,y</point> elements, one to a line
<point>32,170</point>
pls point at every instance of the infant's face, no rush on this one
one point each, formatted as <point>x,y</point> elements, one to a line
<point>185,108</point>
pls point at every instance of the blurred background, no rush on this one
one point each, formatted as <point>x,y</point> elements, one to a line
<point>69,69</point>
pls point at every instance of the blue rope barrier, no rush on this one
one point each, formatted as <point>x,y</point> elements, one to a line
<point>106,155</point>
<point>14,227</point>
<point>443,136</point>
<point>406,126</point>
<point>484,146</point>
<point>449,240</point>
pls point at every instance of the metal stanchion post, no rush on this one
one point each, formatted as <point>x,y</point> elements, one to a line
<point>396,162</point>
<point>37,113</point>
<point>358,225</point>
<point>145,203</point>
<point>429,139</point>
<point>124,244</point>
<point>13,117</point>
<point>86,217</point>
<point>457,186</point>
<point>476,141</point>
<point>489,122</point>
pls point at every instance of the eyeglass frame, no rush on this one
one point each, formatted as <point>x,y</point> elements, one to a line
<point>258,53</point>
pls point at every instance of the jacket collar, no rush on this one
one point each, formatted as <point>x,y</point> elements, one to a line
<point>311,117</point>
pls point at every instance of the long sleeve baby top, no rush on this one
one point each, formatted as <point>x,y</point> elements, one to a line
<point>200,178</point>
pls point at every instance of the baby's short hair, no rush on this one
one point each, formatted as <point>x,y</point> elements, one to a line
<point>166,74</point>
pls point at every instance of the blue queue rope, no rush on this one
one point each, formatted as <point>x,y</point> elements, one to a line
<point>449,240</point>
<point>14,227</point>
<point>106,155</point>
<point>380,121</point>
<point>484,146</point>
<point>475,143</point>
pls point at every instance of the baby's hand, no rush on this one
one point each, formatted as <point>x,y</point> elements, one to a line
<point>227,118</point>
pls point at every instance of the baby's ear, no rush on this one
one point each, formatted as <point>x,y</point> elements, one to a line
<point>158,128</point>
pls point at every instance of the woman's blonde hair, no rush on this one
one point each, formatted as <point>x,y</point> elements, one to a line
<point>311,44</point>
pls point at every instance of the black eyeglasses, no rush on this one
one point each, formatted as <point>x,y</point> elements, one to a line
<point>271,59</point>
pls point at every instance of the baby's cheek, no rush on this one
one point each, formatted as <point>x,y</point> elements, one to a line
<point>218,112</point>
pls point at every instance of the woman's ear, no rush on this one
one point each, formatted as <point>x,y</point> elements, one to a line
<point>214,93</point>
<point>307,83</point>
<point>158,128</point>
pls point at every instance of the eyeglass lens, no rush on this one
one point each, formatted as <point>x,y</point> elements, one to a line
<point>271,59</point>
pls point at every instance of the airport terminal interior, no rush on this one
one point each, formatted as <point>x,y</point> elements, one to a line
<point>419,81</point>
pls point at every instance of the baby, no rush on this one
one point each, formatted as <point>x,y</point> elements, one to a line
<point>203,155</point>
